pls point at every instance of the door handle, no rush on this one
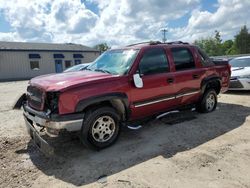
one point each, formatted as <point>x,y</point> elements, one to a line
<point>195,76</point>
<point>170,80</point>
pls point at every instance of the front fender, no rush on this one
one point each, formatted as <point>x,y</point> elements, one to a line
<point>83,104</point>
<point>20,101</point>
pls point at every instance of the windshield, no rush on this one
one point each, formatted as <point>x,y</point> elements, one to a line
<point>114,61</point>
<point>240,62</point>
<point>76,68</point>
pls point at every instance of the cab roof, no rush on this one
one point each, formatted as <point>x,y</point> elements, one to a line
<point>155,43</point>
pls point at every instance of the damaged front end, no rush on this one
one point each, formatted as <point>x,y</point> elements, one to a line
<point>42,118</point>
<point>35,123</point>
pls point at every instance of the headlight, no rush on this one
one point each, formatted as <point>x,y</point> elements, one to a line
<point>52,101</point>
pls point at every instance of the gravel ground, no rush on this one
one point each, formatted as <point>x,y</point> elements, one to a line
<point>185,149</point>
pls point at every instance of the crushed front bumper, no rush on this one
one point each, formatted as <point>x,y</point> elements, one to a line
<point>39,124</point>
<point>41,143</point>
<point>53,124</point>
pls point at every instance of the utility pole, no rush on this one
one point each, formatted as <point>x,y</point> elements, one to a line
<point>164,31</point>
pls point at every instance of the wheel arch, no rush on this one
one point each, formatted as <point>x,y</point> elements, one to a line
<point>211,82</point>
<point>118,101</point>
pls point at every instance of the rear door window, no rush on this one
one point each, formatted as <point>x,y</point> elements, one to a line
<point>183,59</point>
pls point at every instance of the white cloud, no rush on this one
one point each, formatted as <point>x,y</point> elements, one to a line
<point>118,22</point>
<point>228,19</point>
<point>42,20</point>
<point>11,36</point>
<point>126,21</point>
<point>71,17</point>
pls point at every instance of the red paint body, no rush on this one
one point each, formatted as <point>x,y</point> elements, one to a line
<point>77,86</point>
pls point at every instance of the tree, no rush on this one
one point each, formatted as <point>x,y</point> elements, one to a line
<point>214,46</point>
<point>217,37</point>
<point>211,45</point>
<point>228,47</point>
<point>242,41</point>
<point>102,47</point>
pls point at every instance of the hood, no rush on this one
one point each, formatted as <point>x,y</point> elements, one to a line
<point>56,82</point>
<point>240,71</point>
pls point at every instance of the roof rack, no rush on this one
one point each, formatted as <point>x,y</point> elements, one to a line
<point>158,42</point>
<point>177,42</point>
<point>148,42</point>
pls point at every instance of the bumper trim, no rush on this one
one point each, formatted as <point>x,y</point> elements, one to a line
<point>70,125</point>
<point>43,146</point>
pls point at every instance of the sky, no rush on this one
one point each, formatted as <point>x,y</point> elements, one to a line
<point>120,22</point>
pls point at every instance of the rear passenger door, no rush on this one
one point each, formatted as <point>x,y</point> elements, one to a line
<point>157,93</point>
<point>187,75</point>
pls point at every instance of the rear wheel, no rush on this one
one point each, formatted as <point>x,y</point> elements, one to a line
<point>208,102</point>
<point>100,127</point>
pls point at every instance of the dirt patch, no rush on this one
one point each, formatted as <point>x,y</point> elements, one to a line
<point>184,149</point>
<point>16,167</point>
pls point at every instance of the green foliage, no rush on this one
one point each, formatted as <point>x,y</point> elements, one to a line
<point>214,46</point>
<point>211,45</point>
<point>102,47</point>
<point>242,41</point>
<point>229,48</point>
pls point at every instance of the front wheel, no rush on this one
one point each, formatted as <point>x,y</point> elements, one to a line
<point>100,128</point>
<point>208,102</point>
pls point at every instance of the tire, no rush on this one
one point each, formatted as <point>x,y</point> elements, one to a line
<point>101,127</point>
<point>208,102</point>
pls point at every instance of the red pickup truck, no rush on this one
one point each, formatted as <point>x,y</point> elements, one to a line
<point>123,86</point>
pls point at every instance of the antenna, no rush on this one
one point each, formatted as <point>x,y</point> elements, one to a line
<point>164,32</point>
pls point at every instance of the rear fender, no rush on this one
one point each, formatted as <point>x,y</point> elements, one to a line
<point>213,79</point>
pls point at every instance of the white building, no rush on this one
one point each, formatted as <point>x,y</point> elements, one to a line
<point>19,60</point>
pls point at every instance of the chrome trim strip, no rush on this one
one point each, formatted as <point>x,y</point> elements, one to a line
<point>153,102</point>
<point>167,99</point>
<point>187,94</point>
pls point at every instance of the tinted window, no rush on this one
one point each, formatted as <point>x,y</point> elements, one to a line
<point>154,61</point>
<point>205,60</point>
<point>202,56</point>
<point>183,59</point>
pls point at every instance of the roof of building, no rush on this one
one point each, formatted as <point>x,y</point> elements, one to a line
<point>28,46</point>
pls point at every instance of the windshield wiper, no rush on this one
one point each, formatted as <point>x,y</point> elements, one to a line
<point>86,68</point>
<point>101,70</point>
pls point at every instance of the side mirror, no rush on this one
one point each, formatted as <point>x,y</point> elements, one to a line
<point>138,80</point>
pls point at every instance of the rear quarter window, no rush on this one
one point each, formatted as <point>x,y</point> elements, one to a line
<point>205,60</point>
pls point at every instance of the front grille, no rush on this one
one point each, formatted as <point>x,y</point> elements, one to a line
<point>235,84</point>
<point>35,97</point>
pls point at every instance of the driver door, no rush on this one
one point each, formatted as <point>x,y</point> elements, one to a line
<point>158,93</point>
